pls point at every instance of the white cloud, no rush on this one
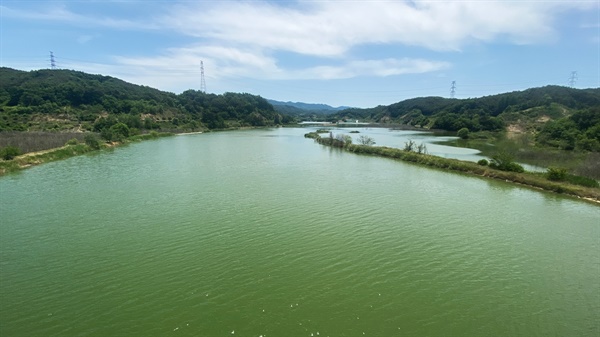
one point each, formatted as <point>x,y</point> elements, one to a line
<point>63,15</point>
<point>378,68</point>
<point>243,39</point>
<point>223,62</point>
<point>328,28</point>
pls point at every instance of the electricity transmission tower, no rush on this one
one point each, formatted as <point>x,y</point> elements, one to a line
<point>52,61</point>
<point>573,79</point>
<point>202,80</point>
<point>453,89</point>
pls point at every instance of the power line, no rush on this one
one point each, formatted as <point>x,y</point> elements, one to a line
<point>202,80</point>
<point>453,89</point>
<point>573,79</point>
<point>52,61</point>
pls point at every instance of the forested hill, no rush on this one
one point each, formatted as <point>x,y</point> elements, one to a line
<point>73,100</point>
<point>453,114</point>
<point>558,116</point>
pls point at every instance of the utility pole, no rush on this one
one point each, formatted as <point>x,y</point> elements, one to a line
<point>52,61</point>
<point>573,79</point>
<point>202,80</point>
<point>453,89</point>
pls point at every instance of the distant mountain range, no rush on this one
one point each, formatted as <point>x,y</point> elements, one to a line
<point>300,108</point>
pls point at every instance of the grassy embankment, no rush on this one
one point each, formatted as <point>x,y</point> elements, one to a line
<point>71,149</point>
<point>525,150</point>
<point>530,179</point>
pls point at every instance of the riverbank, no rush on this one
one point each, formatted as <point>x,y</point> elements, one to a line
<point>529,179</point>
<point>70,150</point>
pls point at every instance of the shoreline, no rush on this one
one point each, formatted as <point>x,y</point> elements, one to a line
<point>535,181</point>
<point>31,159</point>
<point>188,133</point>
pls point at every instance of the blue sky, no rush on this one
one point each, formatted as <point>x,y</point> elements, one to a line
<point>359,53</point>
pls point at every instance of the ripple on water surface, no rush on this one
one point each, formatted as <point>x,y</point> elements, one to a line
<point>211,234</point>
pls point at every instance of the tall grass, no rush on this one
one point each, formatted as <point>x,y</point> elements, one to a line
<point>522,146</point>
<point>37,141</point>
<point>63,151</point>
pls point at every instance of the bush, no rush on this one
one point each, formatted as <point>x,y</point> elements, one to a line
<point>503,161</point>
<point>119,131</point>
<point>556,174</point>
<point>72,141</point>
<point>92,141</point>
<point>483,162</point>
<point>9,152</point>
<point>421,148</point>
<point>409,146</point>
<point>463,133</point>
<point>106,134</point>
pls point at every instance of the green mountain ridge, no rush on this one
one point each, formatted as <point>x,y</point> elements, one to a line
<point>67,100</point>
<point>73,100</point>
<point>493,106</point>
<point>561,117</point>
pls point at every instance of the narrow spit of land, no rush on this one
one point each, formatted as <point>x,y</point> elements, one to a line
<point>534,180</point>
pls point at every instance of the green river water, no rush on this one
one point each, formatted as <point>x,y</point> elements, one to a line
<point>265,233</point>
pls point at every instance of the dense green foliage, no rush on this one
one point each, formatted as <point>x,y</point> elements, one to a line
<point>9,152</point>
<point>581,130</point>
<point>463,133</point>
<point>556,173</point>
<point>71,100</point>
<point>489,113</point>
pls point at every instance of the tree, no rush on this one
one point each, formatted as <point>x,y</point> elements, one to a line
<point>366,140</point>
<point>119,131</point>
<point>340,140</point>
<point>463,133</point>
